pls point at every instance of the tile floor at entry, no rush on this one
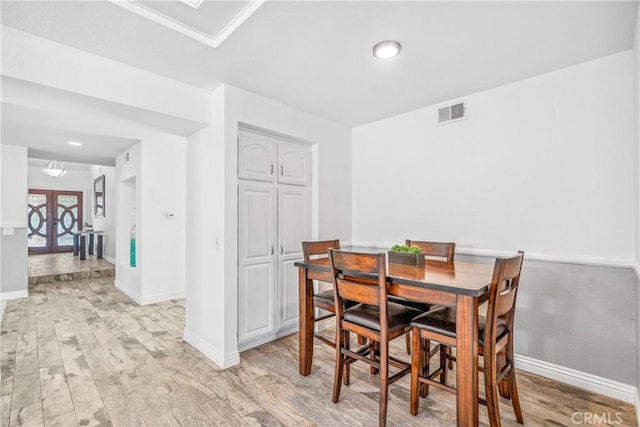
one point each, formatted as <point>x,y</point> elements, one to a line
<point>82,353</point>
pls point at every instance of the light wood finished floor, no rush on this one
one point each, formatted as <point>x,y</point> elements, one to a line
<point>82,353</point>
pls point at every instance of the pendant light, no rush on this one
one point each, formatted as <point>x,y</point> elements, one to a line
<point>55,168</point>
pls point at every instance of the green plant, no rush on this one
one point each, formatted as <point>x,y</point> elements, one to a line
<point>406,249</point>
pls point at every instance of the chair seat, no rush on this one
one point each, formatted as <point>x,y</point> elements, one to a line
<point>326,298</point>
<point>423,307</point>
<point>369,316</point>
<point>442,321</point>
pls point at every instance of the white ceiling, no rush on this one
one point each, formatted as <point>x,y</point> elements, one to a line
<point>317,55</point>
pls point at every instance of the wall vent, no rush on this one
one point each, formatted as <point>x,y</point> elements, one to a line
<point>452,113</point>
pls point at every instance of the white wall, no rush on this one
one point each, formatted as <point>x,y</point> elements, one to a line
<point>543,165</point>
<point>13,222</point>
<point>150,193</point>
<point>38,60</point>
<point>213,170</point>
<point>108,223</point>
<point>636,78</point>
<point>128,213</point>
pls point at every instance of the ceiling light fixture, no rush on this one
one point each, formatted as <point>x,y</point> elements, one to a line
<point>75,143</point>
<point>193,3</point>
<point>55,168</point>
<point>387,49</point>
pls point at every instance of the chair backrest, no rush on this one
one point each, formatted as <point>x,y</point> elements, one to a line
<point>502,294</point>
<point>440,249</point>
<point>319,249</point>
<point>359,277</point>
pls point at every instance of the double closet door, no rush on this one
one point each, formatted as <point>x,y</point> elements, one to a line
<point>274,201</point>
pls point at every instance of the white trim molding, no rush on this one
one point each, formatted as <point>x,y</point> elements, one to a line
<point>109,259</point>
<point>156,298</point>
<point>490,253</point>
<point>6,296</point>
<point>128,292</point>
<point>209,40</point>
<point>148,299</point>
<point>13,225</point>
<point>594,383</point>
<point>223,361</point>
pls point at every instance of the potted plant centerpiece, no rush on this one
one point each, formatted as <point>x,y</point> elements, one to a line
<point>406,255</point>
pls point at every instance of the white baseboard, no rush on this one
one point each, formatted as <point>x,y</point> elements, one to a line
<point>203,347</point>
<point>109,259</point>
<point>148,299</point>
<point>128,292</point>
<point>5,296</point>
<point>3,305</point>
<point>263,339</point>
<point>617,390</point>
<point>167,296</point>
<point>638,405</point>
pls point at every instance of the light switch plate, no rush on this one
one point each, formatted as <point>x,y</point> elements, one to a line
<point>8,231</point>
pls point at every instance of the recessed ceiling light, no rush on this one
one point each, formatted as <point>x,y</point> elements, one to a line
<point>75,143</point>
<point>193,3</point>
<point>387,49</point>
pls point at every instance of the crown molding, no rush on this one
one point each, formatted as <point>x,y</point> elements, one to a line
<point>212,41</point>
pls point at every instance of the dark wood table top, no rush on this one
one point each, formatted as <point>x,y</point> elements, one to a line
<point>458,277</point>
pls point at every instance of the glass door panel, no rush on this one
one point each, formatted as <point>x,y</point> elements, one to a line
<point>54,217</point>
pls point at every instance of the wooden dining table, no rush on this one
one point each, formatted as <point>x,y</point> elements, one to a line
<point>462,285</point>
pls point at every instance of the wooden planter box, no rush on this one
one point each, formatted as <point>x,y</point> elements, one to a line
<point>402,258</point>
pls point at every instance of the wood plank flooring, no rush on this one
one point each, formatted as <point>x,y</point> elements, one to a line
<point>81,353</point>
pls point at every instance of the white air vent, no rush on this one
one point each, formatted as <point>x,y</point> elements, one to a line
<point>452,113</point>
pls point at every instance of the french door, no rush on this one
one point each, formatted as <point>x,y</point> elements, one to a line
<point>54,216</point>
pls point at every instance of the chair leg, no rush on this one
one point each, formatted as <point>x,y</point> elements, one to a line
<point>513,387</point>
<point>503,386</point>
<point>491,389</point>
<point>444,350</point>
<point>450,361</point>
<point>417,367</point>
<point>337,378</point>
<point>384,383</point>
<point>374,354</point>
<point>425,350</point>
<point>515,399</point>
<point>407,339</point>
<point>347,368</point>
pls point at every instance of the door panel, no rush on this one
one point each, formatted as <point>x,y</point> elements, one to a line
<point>53,217</point>
<point>295,164</point>
<point>256,257</point>
<point>294,216</point>
<point>256,157</point>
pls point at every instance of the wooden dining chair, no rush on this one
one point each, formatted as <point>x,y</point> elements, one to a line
<point>495,342</point>
<point>444,250</point>
<point>363,278</point>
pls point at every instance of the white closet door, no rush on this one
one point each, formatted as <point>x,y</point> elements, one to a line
<point>294,163</point>
<point>294,216</point>
<point>256,259</point>
<point>257,156</point>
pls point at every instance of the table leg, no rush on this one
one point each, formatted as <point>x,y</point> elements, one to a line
<point>99,249</point>
<point>75,245</point>
<point>91,244</point>
<point>83,244</point>
<point>467,360</point>
<point>305,307</point>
